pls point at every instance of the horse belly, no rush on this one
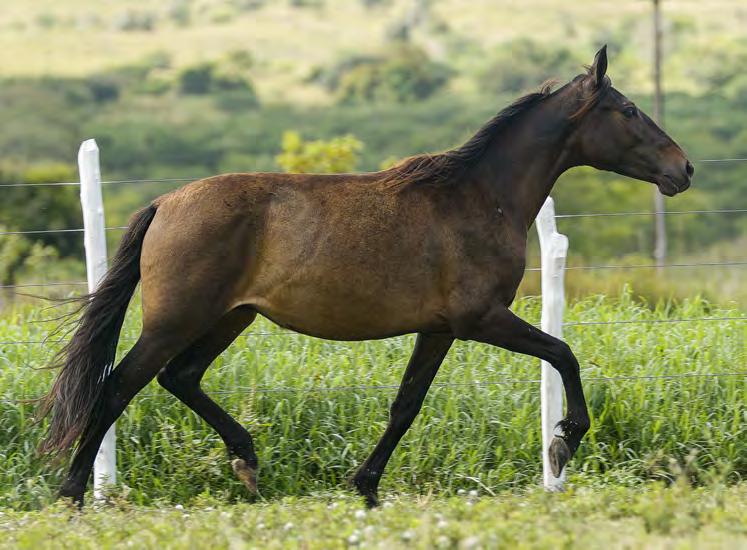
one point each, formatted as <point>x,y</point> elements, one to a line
<point>353,306</point>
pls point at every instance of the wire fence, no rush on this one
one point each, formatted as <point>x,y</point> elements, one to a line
<point>288,333</point>
<point>248,390</point>
<point>581,215</point>
<point>507,380</point>
<point>186,179</point>
<point>530,269</point>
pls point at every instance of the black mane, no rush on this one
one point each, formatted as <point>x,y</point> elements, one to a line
<point>444,168</point>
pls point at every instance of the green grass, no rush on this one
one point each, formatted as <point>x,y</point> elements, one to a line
<point>311,429</point>
<point>590,516</point>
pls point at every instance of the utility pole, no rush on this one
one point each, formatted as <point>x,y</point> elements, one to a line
<point>660,230</point>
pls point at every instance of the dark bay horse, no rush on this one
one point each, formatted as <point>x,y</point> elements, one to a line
<point>435,246</point>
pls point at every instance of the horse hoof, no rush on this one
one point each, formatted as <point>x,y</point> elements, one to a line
<point>72,494</point>
<point>559,455</point>
<point>370,496</point>
<point>372,500</point>
<point>246,474</point>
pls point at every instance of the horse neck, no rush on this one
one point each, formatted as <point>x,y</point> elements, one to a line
<point>522,165</point>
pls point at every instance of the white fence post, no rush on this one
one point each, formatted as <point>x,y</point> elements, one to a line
<point>554,248</point>
<point>94,237</point>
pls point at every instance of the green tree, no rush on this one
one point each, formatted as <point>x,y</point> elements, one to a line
<point>31,207</point>
<point>402,75</point>
<point>226,79</point>
<point>25,259</point>
<point>333,156</point>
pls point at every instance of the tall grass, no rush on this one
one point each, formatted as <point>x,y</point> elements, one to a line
<point>313,423</point>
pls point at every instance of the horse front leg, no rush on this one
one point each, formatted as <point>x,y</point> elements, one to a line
<point>500,327</point>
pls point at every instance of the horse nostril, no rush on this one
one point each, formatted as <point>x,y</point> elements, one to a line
<point>689,168</point>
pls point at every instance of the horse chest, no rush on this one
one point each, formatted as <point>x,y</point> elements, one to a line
<point>491,264</point>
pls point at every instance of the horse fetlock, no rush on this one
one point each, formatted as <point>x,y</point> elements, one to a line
<point>563,446</point>
<point>246,474</point>
<point>573,429</point>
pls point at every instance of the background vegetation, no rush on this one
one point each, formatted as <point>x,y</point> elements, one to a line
<point>190,88</point>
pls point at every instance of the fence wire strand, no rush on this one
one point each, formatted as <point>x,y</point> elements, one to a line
<point>448,385</point>
<point>55,283</point>
<point>246,390</point>
<point>181,180</point>
<point>379,387</point>
<point>47,231</point>
<point>328,342</point>
<point>650,321</point>
<point>722,160</point>
<point>646,266</point>
<point>571,268</point>
<point>650,213</point>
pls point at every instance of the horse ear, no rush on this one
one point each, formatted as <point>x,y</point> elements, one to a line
<point>599,68</point>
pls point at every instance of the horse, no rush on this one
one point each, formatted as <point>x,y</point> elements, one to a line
<point>435,245</point>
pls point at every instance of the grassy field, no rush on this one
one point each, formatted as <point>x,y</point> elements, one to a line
<point>590,516</point>
<point>316,409</point>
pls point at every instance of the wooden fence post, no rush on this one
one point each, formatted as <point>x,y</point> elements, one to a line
<point>554,248</point>
<point>94,237</point>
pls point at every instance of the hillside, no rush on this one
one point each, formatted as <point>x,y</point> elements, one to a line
<point>289,38</point>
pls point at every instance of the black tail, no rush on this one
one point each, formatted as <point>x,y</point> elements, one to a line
<point>88,358</point>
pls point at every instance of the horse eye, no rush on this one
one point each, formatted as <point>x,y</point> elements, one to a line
<point>629,112</point>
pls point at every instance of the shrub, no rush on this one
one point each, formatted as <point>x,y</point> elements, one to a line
<point>23,259</point>
<point>104,88</point>
<point>337,155</point>
<point>226,78</point>
<point>32,207</point>
<point>134,21</point>
<point>405,74</point>
<point>196,79</point>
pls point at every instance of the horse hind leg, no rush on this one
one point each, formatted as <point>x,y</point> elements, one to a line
<point>182,378</point>
<point>139,366</point>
